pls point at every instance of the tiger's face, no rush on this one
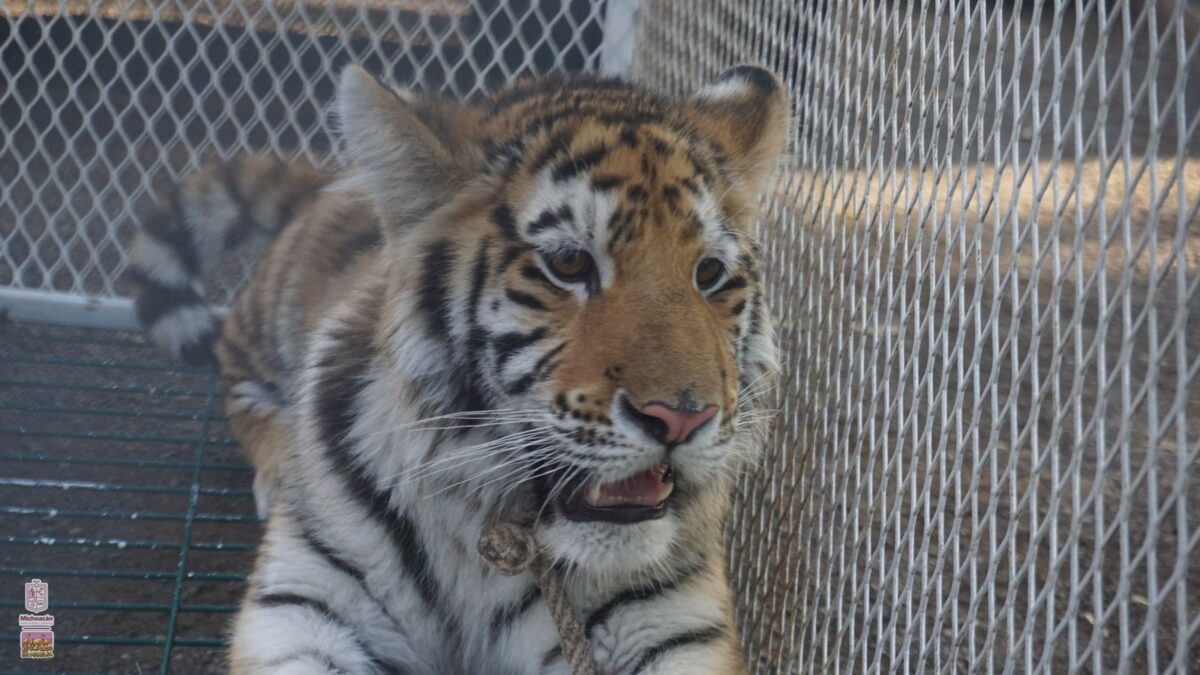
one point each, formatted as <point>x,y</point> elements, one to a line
<point>583,253</point>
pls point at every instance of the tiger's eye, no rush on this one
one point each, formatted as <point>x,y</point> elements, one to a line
<point>570,265</point>
<point>708,273</point>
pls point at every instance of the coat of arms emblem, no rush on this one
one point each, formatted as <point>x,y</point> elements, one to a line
<point>37,596</point>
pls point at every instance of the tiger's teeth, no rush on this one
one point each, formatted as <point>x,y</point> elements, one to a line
<point>594,494</point>
<point>646,489</point>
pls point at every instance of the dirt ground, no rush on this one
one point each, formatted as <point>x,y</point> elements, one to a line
<point>99,440</point>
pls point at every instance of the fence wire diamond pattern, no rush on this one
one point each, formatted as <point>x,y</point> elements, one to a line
<point>102,101</point>
<point>987,259</point>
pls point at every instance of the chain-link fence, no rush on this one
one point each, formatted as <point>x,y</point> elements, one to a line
<point>983,250</point>
<point>101,101</point>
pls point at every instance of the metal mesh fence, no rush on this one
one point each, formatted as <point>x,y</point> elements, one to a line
<point>121,488</point>
<point>984,255</point>
<point>101,101</point>
<point>986,259</point>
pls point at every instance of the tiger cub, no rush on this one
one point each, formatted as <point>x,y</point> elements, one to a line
<point>544,306</point>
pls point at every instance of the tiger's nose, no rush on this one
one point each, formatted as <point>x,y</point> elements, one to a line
<point>672,426</point>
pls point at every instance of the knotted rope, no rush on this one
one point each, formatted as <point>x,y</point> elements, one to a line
<point>511,549</point>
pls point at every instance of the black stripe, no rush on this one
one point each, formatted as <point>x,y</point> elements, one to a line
<point>535,273</point>
<point>433,293</point>
<point>619,224</point>
<point>478,277</point>
<point>648,167</point>
<point>238,362</point>
<point>550,218</point>
<point>508,258</point>
<point>557,143</point>
<point>503,217</point>
<point>239,232</point>
<point>335,561</point>
<point>476,336</point>
<point>739,308</point>
<point>753,326</point>
<point>551,655</point>
<point>683,639</point>
<point>732,284</point>
<point>561,86</point>
<point>297,600</point>
<point>607,182</point>
<point>755,315</point>
<point>522,385</point>
<point>349,569</point>
<point>245,224</point>
<point>504,616</point>
<point>337,394</point>
<point>524,299</point>
<point>659,146</point>
<point>572,166</point>
<point>358,245</point>
<point>169,228</point>
<point>416,561</point>
<point>501,155</point>
<point>507,344</point>
<point>199,352</point>
<point>699,165</point>
<point>601,114</point>
<point>155,299</point>
<point>749,263</point>
<point>638,594</point>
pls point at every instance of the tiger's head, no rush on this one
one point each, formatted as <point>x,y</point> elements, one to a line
<point>576,256</point>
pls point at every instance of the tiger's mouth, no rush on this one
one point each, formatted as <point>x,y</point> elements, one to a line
<point>642,496</point>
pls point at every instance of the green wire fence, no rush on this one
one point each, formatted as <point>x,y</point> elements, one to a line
<point>121,488</point>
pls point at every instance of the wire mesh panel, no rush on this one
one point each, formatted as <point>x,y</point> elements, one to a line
<point>102,101</point>
<point>121,489</point>
<point>986,262</point>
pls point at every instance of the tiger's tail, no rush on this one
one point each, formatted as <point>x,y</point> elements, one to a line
<point>208,214</point>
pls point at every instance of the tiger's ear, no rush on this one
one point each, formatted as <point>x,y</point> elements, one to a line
<point>412,152</point>
<point>745,115</point>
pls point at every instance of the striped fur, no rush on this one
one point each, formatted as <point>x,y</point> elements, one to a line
<point>210,213</point>
<point>406,364</point>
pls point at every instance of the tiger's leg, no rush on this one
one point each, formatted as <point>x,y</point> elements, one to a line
<point>681,623</point>
<point>258,422</point>
<point>310,608</point>
<point>254,401</point>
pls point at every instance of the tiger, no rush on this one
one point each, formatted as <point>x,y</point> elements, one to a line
<point>546,306</point>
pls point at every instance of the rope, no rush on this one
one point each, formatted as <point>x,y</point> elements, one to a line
<point>511,549</point>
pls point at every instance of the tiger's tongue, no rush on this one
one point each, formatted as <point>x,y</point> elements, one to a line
<point>648,488</point>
